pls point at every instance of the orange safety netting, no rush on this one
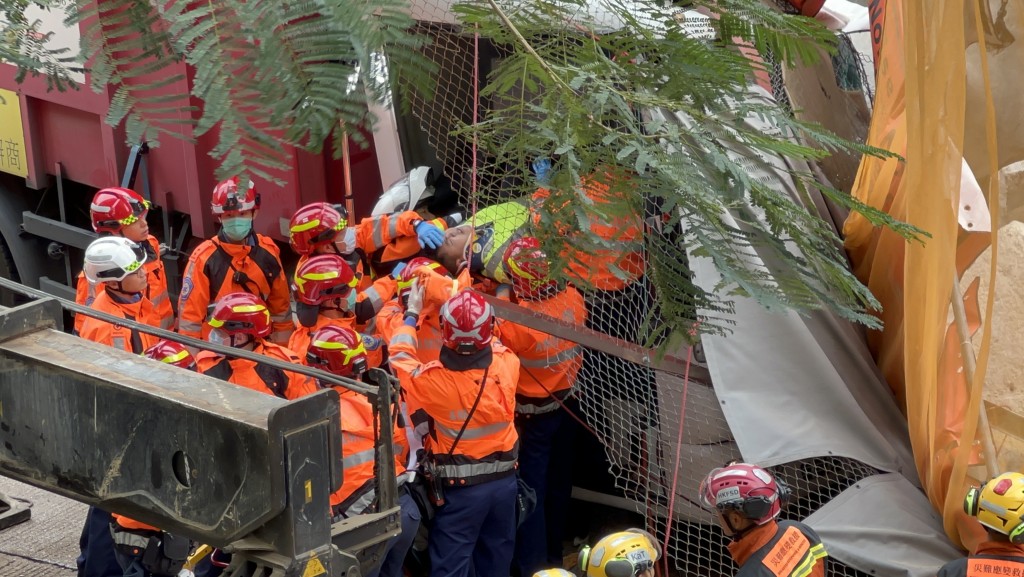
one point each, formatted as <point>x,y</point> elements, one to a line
<point>919,113</point>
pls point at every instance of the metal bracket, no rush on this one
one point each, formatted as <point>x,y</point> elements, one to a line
<point>30,317</point>
<point>56,230</point>
<point>136,160</point>
<point>12,513</point>
<point>595,340</point>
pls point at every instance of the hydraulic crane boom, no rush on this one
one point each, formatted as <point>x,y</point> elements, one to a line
<point>190,454</point>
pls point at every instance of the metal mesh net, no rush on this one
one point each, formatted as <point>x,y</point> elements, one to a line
<point>637,413</point>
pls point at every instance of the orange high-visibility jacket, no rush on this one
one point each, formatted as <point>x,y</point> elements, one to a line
<point>212,272</point>
<point>119,336</point>
<point>548,365</point>
<point>358,489</point>
<point>259,377</point>
<point>595,269</point>
<point>437,289</point>
<point>489,447</point>
<point>156,289</point>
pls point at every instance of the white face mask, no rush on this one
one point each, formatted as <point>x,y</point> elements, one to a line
<point>347,243</point>
<point>219,337</point>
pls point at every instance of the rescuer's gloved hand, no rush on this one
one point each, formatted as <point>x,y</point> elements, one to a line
<point>542,168</point>
<point>415,298</point>
<point>504,291</point>
<point>429,235</point>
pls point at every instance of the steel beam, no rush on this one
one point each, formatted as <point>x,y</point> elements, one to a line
<point>56,230</point>
<point>597,341</point>
<point>179,450</point>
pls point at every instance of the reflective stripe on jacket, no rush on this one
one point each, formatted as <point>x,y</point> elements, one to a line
<point>489,447</point>
<point>548,364</point>
<point>373,233</point>
<point>156,290</point>
<point>212,272</point>
<point>257,376</point>
<point>358,488</point>
<point>782,549</point>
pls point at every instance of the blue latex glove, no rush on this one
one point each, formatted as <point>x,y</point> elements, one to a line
<point>429,235</point>
<point>397,271</point>
<point>542,168</point>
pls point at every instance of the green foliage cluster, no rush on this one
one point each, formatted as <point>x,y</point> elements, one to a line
<point>264,74</point>
<point>24,43</point>
<point>655,113</point>
<point>660,116</point>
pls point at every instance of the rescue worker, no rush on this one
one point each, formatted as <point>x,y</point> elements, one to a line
<point>320,227</point>
<point>172,353</point>
<point>748,500</point>
<point>325,294</point>
<point>242,321</point>
<point>465,403</point>
<point>629,553</point>
<point>237,259</point>
<point>548,369</point>
<point>122,212</point>
<point>339,350</point>
<point>999,507</point>
<point>116,266</point>
<point>437,286</point>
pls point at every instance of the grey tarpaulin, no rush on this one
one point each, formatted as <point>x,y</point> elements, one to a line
<point>887,515</point>
<point>794,387</point>
<point>798,387</point>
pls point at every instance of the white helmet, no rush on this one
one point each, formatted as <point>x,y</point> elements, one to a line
<point>416,186</point>
<point>112,258</point>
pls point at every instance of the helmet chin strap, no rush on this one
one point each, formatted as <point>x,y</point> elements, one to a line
<point>737,534</point>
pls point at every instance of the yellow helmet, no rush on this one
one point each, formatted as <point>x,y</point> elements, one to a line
<point>999,505</point>
<point>622,554</point>
<point>553,573</point>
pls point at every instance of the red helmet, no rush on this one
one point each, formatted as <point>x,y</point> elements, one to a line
<point>241,314</point>
<point>747,489</point>
<point>228,198</point>
<point>320,279</point>
<point>338,350</point>
<point>316,225</point>
<point>115,208</point>
<point>528,268</point>
<point>807,7</point>
<point>408,274</point>
<point>171,353</point>
<point>466,322</point>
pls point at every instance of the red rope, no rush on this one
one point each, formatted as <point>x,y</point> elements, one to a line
<point>675,474</point>
<point>476,115</point>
